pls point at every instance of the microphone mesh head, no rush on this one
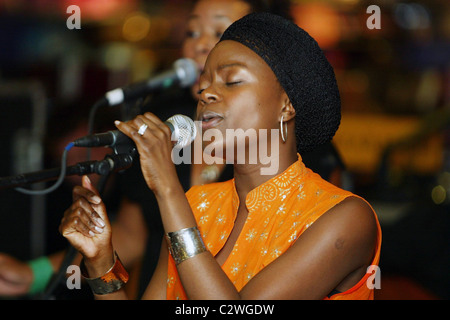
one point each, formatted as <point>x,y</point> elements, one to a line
<point>187,71</point>
<point>184,130</point>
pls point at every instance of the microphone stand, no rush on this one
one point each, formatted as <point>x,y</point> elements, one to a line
<point>111,163</point>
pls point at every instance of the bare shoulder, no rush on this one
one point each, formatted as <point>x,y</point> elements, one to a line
<point>350,228</point>
<point>344,237</point>
<point>354,220</point>
<point>354,211</point>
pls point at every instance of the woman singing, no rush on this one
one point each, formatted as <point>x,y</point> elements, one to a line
<point>285,235</point>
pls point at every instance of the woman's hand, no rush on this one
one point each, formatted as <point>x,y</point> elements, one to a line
<point>86,225</point>
<point>155,148</point>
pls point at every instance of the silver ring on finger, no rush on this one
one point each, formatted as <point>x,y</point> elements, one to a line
<point>142,129</point>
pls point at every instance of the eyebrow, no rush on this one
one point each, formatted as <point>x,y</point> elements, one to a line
<point>228,65</point>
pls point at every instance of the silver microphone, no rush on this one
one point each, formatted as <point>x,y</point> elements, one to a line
<point>182,127</point>
<point>183,130</point>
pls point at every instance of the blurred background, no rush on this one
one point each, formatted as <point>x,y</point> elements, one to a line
<point>394,136</point>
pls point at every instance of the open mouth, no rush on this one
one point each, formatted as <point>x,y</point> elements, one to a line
<point>210,119</point>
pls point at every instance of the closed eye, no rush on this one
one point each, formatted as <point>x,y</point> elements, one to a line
<point>232,83</point>
<point>192,34</point>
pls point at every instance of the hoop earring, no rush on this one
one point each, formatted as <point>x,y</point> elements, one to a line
<point>283,129</point>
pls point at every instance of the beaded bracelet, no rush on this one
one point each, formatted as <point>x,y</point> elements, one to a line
<point>113,280</point>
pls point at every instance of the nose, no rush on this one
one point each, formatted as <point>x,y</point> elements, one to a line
<point>204,44</point>
<point>209,95</point>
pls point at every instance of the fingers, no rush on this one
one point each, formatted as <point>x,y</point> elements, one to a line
<point>88,192</point>
<point>82,192</point>
<point>154,146</point>
<point>86,182</point>
<point>155,128</point>
<point>92,216</point>
<point>87,214</point>
<point>77,218</point>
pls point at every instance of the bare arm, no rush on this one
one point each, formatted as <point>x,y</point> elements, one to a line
<point>337,245</point>
<point>333,253</point>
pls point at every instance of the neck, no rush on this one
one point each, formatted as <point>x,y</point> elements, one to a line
<point>249,176</point>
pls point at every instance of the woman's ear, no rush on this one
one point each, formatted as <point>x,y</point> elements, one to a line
<point>287,111</point>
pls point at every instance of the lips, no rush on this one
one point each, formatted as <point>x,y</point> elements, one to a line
<point>210,119</point>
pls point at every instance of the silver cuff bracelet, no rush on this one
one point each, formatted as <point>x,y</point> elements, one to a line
<point>185,244</point>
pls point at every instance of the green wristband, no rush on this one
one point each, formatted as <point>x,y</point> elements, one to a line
<point>42,272</point>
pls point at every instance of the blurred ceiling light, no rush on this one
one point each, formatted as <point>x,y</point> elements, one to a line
<point>428,91</point>
<point>320,20</point>
<point>438,194</point>
<point>117,56</point>
<point>411,16</point>
<point>136,27</point>
<point>99,9</point>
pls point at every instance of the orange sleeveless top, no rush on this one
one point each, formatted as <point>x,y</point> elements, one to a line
<point>279,211</point>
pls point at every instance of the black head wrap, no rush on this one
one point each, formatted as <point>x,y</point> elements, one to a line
<point>302,70</point>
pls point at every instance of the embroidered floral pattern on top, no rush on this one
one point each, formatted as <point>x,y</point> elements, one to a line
<point>280,210</point>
